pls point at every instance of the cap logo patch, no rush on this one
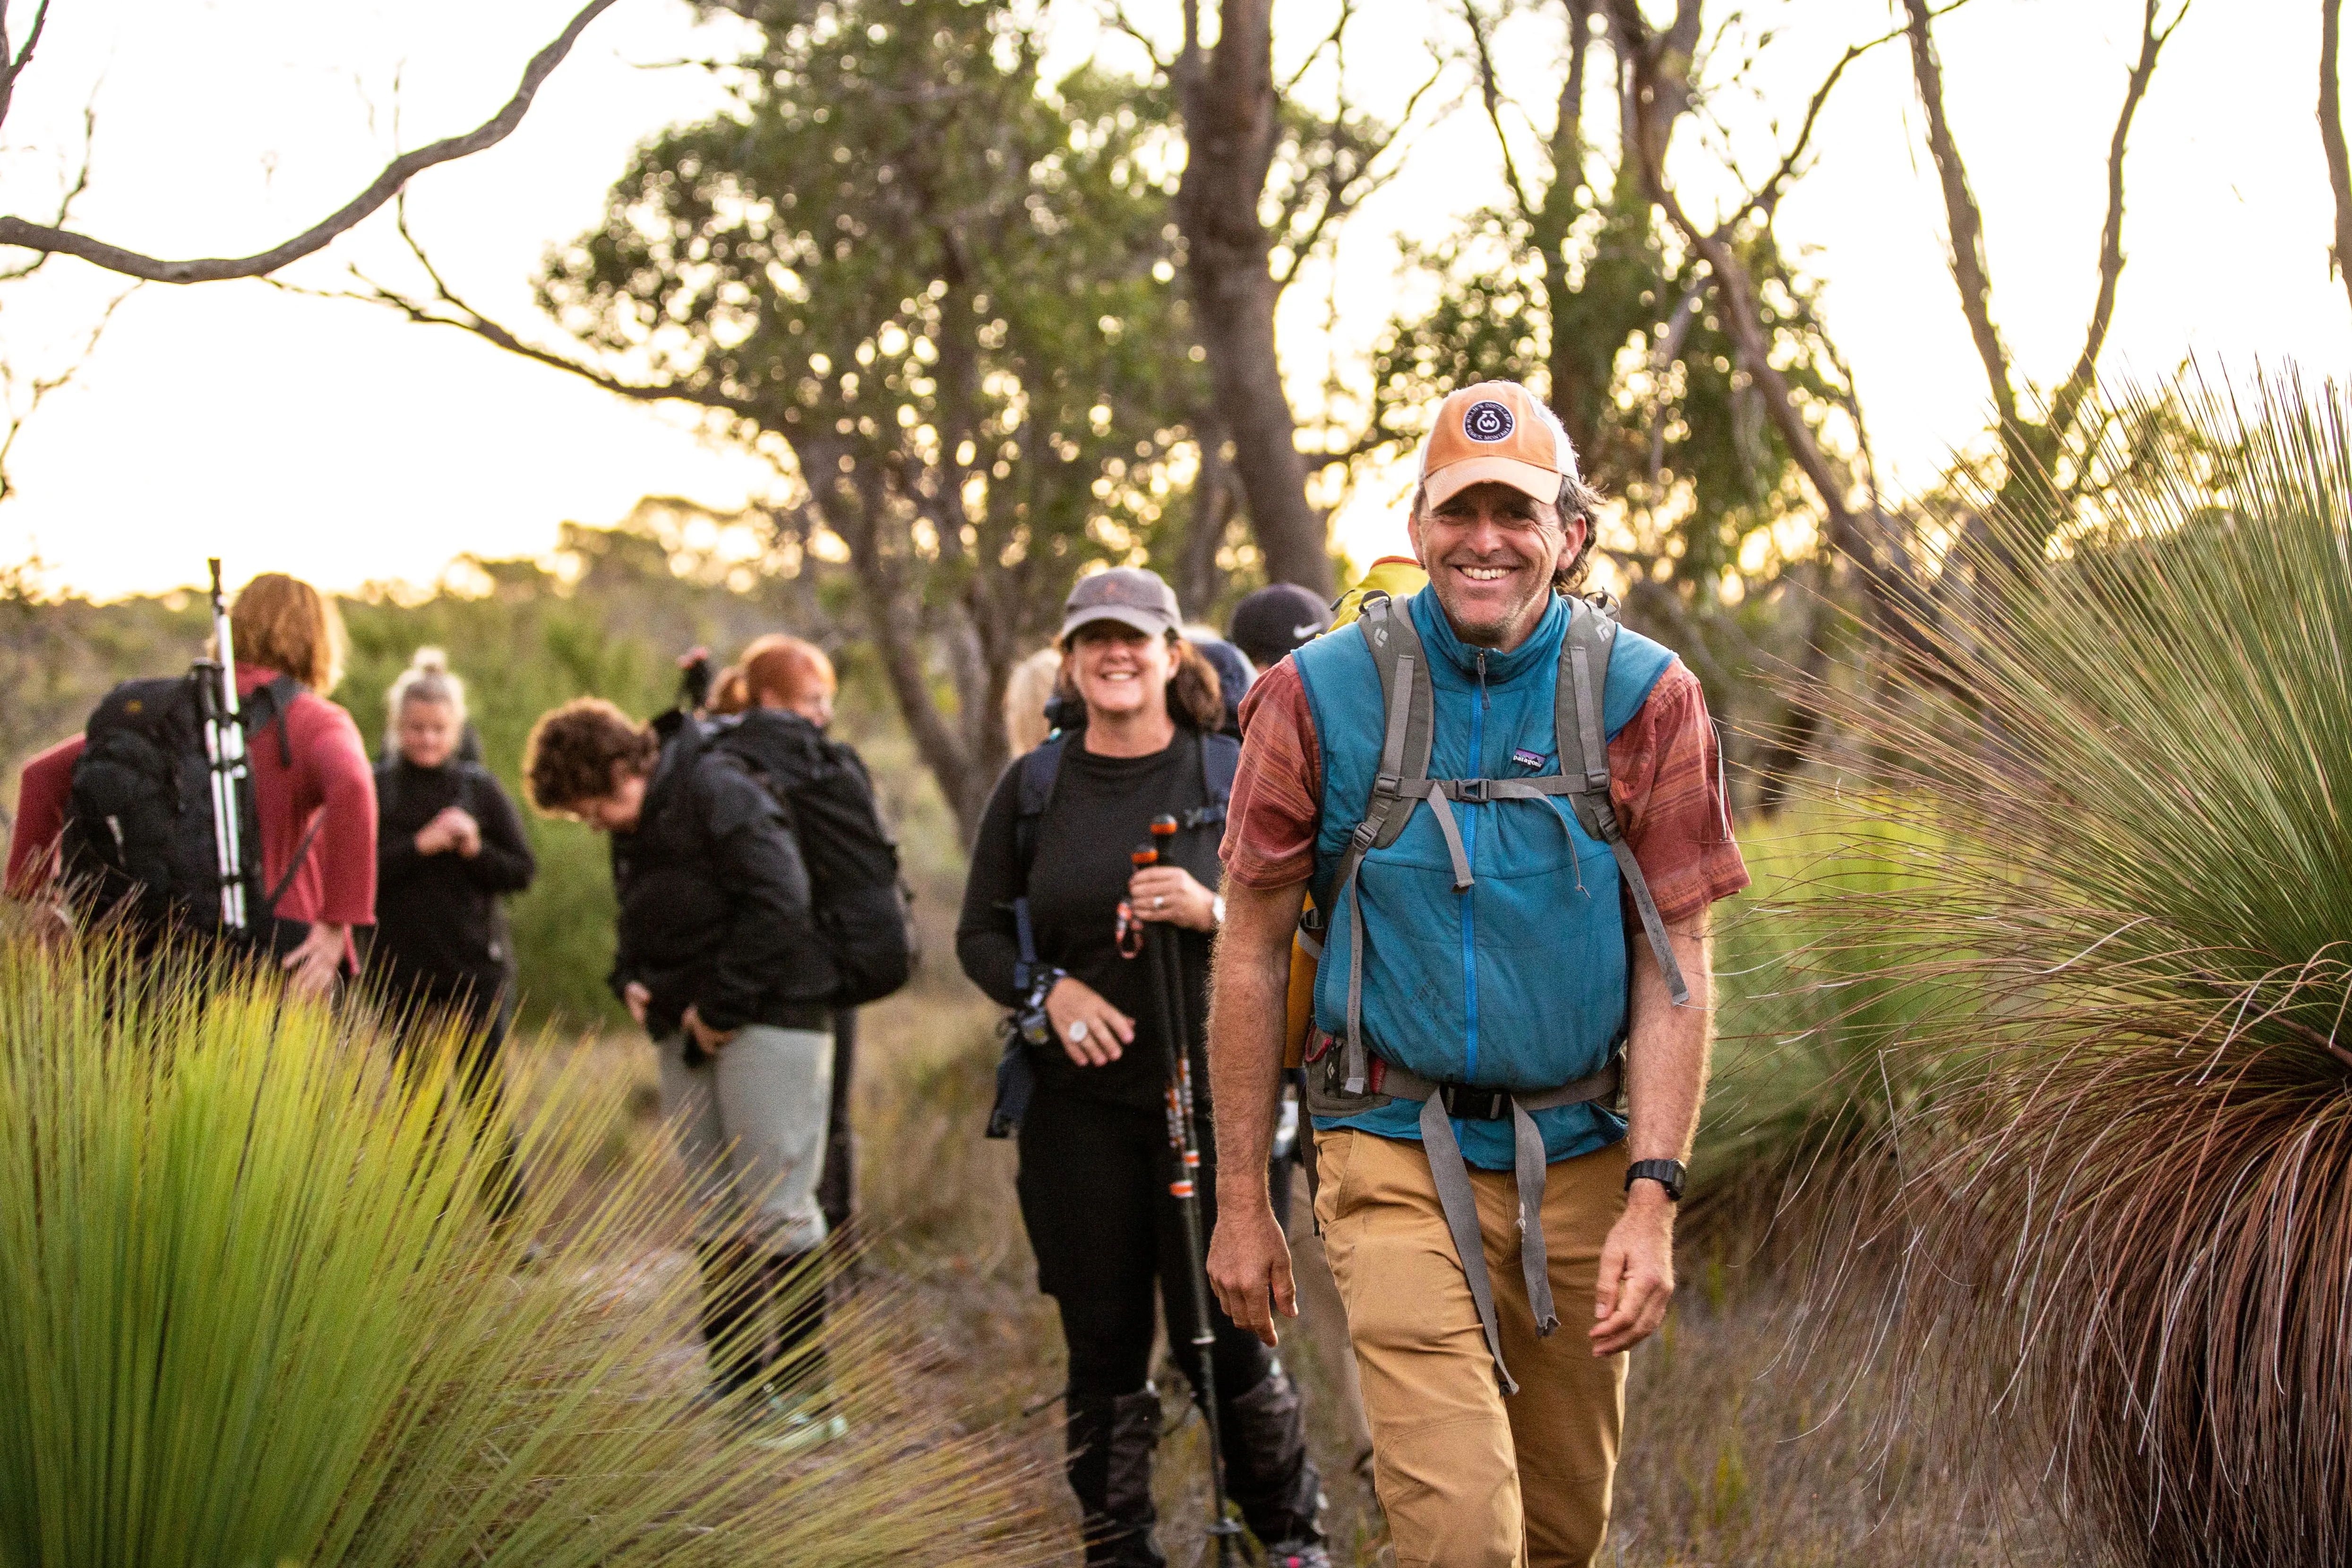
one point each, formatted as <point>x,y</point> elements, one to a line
<point>1488,421</point>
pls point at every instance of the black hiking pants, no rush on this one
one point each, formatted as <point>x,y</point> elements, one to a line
<point>1109,1238</point>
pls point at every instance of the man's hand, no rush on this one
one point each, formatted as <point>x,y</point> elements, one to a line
<point>1249,1261</point>
<point>1637,1271</point>
<point>310,968</point>
<point>704,1035</point>
<point>636,998</point>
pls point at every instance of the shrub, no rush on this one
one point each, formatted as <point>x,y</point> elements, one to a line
<point>254,1314</point>
<point>2124,1221</point>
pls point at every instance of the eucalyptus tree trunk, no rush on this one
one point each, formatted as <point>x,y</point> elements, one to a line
<point>1232,125</point>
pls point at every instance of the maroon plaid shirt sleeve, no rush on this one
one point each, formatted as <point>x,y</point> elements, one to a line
<point>1270,822</point>
<point>1665,776</point>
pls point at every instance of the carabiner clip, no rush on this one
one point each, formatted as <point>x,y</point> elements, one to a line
<point>1130,931</point>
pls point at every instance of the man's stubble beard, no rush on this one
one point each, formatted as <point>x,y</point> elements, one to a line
<point>1520,616</point>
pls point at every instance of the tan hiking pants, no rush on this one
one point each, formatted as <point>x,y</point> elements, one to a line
<point>1468,1478</point>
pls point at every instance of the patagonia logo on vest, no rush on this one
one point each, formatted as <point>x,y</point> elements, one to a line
<point>1527,759</point>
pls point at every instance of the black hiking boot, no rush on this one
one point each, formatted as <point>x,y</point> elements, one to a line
<point>1111,1443</point>
<point>1298,1554</point>
<point>1267,1473</point>
<point>734,1320</point>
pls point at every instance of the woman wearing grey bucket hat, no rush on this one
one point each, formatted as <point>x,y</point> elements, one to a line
<point>1040,933</point>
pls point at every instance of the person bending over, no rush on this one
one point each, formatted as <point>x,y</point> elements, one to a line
<point>448,844</point>
<point>718,958</point>
<point>1095,1159</point>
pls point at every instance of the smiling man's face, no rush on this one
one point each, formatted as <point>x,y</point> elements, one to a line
<point>1490,551</point>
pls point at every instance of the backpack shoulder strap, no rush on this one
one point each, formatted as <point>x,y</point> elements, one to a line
<point>1032,792</point>
<point>1409,705</point>
<point>1220,760</point>
<point>281,694</point>
<point>1579,727</point>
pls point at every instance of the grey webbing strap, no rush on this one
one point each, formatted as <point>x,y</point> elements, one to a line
<point>1459,1204</point>
<point>1446,825</point>
<point>1400,718</point>
<point>1578,718</point>
<point>1528,1149</point>
<point>1359,1066</point>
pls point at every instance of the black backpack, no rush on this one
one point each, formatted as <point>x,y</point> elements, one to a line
<point>862,906</point>
<point>138,844</point>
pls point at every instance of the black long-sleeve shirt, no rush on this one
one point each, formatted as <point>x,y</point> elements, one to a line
<point>1100,811</point>
<point>715,910</point>
<point>440,931</point>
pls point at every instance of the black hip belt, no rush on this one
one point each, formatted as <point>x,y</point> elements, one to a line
<point>1385,1081</point>
<point>1328,1073</point>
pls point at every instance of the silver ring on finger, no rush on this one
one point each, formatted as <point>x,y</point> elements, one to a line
<point>1161,902</point>
<point>1077,1031</point>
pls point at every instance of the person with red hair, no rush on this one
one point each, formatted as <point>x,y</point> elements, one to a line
<point>313,786</point>
<point>782,689</point>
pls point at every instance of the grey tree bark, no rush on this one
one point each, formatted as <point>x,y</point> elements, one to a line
<point>1232,124</point>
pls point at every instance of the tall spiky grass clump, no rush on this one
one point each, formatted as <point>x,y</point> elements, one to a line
<point>2123,1219</point>
<point>252,1311</point>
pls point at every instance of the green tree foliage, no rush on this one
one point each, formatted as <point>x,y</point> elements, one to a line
<point>940,285</point>
<point>1576,287</point>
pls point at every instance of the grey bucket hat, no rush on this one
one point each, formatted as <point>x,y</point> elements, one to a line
<point>1129,595</point>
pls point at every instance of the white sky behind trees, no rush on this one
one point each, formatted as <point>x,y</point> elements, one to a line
<point>344,444</point>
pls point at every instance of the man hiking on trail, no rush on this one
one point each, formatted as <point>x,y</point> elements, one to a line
<point>1508,812</point>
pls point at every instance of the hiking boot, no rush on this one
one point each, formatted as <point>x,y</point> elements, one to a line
<point>1111,1443</point>
<point>1267,1473</point>
<point>1298,1554</point>
<point>780,1426</point>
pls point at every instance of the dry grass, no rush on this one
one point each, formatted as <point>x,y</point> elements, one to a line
<point>1737,1450</point>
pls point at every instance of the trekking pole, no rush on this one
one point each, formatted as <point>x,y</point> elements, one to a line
<point>1167,974</point>
<point>225,750</point>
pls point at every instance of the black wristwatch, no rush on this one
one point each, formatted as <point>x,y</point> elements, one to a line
<point>1667,1174</point>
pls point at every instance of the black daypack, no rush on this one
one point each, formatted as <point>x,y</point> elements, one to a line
<point>139,840</point>
<point>863,907</point>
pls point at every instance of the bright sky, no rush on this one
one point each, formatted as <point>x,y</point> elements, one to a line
<point>336,441</point>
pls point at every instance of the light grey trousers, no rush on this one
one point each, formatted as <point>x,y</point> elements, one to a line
<point>749,1121</point>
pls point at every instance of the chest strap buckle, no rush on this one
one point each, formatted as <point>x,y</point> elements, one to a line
<point>1474,1104</point>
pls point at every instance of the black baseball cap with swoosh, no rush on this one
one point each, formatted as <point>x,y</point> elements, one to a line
<point>1269,623</point>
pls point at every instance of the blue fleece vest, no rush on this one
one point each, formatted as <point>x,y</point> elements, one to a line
<point>1520,981</point>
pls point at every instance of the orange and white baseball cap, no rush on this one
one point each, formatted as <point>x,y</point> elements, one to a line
<point>1496,431</point>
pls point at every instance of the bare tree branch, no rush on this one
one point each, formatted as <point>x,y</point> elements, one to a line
<point>2078,383</point>
<point>73,193</point>
<point>15,231</point>
<point>1962,215</point>
<point>1767,196</point>
<point>2331,136</point>
<point>446,308</point>
<point>10,70</point>
<point>1351,192</point>
<point>1655,62</point>
<point>1491,92</point>
<point>39,389</point>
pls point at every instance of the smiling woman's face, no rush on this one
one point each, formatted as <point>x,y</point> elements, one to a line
<point>1119,672</point>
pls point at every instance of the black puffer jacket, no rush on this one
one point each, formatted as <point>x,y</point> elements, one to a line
<point>715,901</point>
